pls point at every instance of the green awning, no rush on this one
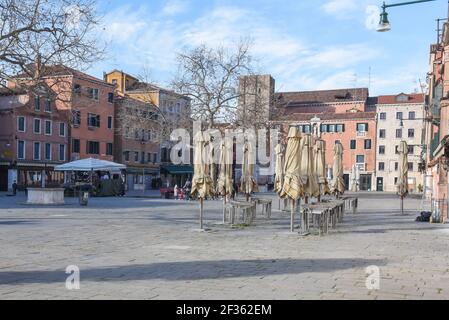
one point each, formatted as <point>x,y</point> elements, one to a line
<point>174,170</point>
<point>141,170</point>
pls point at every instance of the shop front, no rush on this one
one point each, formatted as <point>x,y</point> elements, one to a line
<point>140,179</point>
<point>172,175</point>
<point>36,175</point>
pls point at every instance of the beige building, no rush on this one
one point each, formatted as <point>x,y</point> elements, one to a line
<point>399,117</point>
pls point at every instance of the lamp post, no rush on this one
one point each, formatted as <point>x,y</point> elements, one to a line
<point>384,24</point>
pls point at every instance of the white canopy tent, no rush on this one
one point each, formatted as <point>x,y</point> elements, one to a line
<point>90,165</point>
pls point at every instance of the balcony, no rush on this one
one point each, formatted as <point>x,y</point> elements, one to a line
<point>361,167</point>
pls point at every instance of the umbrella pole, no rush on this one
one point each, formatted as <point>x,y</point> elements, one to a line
<point>402,205</point>
<point>201,213</point>
<point>224,209</point>
<point>292,216</point>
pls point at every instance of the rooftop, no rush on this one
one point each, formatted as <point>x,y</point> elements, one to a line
<point>402,98</point>
<point>321,97</point>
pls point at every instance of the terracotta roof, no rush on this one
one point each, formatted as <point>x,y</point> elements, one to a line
<point>61,70</point>
<point>328,116</point>
<point>321,96</point>
<point>392,99</point>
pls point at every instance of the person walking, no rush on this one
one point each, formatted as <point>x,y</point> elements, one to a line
<point>14,188</point>
<point>175,191</point>
<point>187,188</point>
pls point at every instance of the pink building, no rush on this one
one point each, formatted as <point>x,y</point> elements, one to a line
<point>33,139</point>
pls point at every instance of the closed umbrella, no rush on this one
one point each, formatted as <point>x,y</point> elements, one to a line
<point>279,170</point>
<point>354,183</point>
<point>338,183</point>
<point>403,173</point>
<point>320,166</point>
<point>292,187</point>
<point>225,181</point>
<point>248,182</point>
<point>201,182</point>
<point>306,171</point>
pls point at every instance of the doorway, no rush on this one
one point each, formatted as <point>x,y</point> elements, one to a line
<point>346,180</point>
<point>3,179</point>
<point>365,182</point>
<point>380,184</point>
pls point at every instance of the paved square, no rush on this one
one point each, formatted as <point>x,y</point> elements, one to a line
<point>130,248</point>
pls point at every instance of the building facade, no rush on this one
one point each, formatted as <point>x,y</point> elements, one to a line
<point>400,118</point>
<point>34,139</point>
<point>174,109</point>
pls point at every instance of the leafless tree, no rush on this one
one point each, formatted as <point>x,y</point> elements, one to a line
<point>36,34</point>
<point>210,78</point>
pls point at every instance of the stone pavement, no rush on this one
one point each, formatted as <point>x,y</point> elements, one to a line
<point>130,248</point>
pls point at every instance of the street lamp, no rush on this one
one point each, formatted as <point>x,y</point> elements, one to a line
<point>384,24</point>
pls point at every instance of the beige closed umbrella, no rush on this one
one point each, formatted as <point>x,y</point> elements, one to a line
<point>338,183</point>
<point>225,181</point>
<point>248,181</point>
<point>403,173</point>
<point>306,170</point>
<point>292,187</point>
<point>201,182</point>
<point>319,158</point>
<point>279,169</point>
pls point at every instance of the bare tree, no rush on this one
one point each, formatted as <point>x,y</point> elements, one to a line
<point>38,34</point>
<point>210,78</point>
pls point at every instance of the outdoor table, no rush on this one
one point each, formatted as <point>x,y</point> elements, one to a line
<point>266,205</point>
<point>247,210</point>
<point>351,203</point>
<point>320,217</point>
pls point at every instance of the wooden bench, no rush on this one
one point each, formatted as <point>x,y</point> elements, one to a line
<point>351,203</point>
<point>320,218</point>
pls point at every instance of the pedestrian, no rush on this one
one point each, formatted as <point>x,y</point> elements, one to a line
<point>14,187</point>
<point>187,188</point>
<point>175,191</point>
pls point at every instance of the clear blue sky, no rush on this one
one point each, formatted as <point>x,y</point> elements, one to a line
<point>304,45</point>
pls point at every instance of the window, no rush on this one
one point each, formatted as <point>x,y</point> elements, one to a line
<point>396,180</point>
<point>383,116</point>
<point>37,151</point>
<point>21,124</point>
<point>77,89</point>
<point>331,128</point>
<point>114,81</point>
<point>76,118</point>
<point>110,97</point>
<point>412,115</point>
<point>381,149</point>
<point>62,152</point>
<point>48,151</point>
<point>21,149</point>
<point>93,120</point>
<point>337,141</point>
<point>109,149</point>
<point>382,133</point>
<point>305,128</point>
<point>323,128</point>
<point>93,147</point>
<point>37,126</point>
<point>47,105</point>
<point>381,166</point>
<point>136,156</point>
<point>62,129</point>
<point>340,127</point>
<point>411,149</point>
<point>399,133</point>
<point>396,150</point>
<point>353,144</point>
<point>149,157</point>
<point>109,122</point>
<point>154,157</point>
<point>93,93</point>
<point>362,127</point>
<point>37,103</point>
<point>360,158</point>
<point>410,166</point>
<point>396,166</point>
<point>76,146</point>
<point>48,128</point>
<point>126,155</point>
<point>367,144</point>
<point>142,157</point>
<point>178,107</point>
<point>411,133</point>
<point>399,115</point>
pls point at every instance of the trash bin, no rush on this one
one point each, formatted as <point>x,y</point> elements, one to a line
<point>84,195</point>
